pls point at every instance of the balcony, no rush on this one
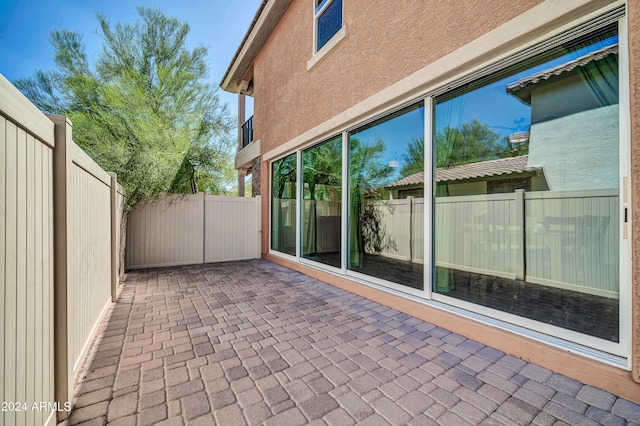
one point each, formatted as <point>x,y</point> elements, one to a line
<point>250,149</point>
<point>247,132</point>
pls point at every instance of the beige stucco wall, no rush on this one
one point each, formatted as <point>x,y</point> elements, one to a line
<point>386,43</point>
<point>394,41</point>
<point>633,13</point>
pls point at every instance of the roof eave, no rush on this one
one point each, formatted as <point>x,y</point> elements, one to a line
<point>265,20</point>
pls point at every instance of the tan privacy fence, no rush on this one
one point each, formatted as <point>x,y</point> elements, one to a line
<point>57,241</point>
<point>189,229</point>
<point>564,239</point>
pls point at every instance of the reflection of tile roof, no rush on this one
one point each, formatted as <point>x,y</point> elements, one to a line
<point>503,166</point>
<point>560,69</point>
<point>416,178</point>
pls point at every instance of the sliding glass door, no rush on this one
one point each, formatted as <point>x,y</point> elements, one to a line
<point>527,188</point>
<point>517,215</point>
<point>283,205</point>
<point>386,198</point>
<point>322,203</point>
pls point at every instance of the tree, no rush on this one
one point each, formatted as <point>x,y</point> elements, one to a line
<point>145,110</point>
<point>509,149</point>
<point>368,174</point>
<point>322,165</point>
<point>413,160</point>
<point>470,143</point>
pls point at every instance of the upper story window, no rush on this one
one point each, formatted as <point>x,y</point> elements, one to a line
<point>327,21</point>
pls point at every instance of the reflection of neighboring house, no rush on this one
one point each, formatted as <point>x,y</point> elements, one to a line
<point>567,112</point>
<point>563,111</point>
<point>487,177</point>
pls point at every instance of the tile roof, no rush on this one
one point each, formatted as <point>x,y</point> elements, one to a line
<point>503,166</point>
<point>560,69</point>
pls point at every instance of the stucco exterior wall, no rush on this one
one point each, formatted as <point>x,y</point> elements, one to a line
<point>592,136</point>
<point>633,18</point>
<point>384,44</point>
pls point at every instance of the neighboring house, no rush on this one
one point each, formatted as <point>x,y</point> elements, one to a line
<point>531,254</point>
<point>563,108</point>
<point>486,177</point>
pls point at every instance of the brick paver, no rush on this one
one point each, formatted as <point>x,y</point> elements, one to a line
<point>255,343</point>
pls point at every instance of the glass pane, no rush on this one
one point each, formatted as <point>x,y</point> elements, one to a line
<point>329,23</point>
<point>526,186</point>
<point>283,205</point>
<point>322,205</point>
<point>386,191</point>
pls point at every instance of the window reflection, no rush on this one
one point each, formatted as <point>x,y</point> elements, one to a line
<point>283,205</point>
<point>322,205</point>
<point>329,21</point>
<point>386,219</point>
<point>526,210</point>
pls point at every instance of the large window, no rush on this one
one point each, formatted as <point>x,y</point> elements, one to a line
<point>328,20</point>
<point>322,202</point>
<point>283,205</point>
<point>385,231</point>
<point>520,196</point>
<point>526,185</point>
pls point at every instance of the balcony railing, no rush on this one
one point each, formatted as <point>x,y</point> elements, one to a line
<point>247,132</point>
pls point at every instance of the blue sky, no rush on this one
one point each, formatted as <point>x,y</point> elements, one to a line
<point>25,26</point>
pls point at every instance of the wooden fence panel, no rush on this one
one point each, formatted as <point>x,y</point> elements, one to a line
<point>417,230</point>
<point>473,233</point>
<point>190,229</point>
<point>49,215</point>
<point>119,239</point>
<point>83,239</point>
<point>573,240</point>
<point>569,239</point>
<point>168,232</point>
<point>232,228</point>
<point>89,285</point>
<point>395,225</point>
<point>26,266</point>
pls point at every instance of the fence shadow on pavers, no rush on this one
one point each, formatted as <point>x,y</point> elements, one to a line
<point>252,342</point>
<point>103,382</point>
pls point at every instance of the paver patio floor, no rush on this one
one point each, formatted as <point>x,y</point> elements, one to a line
<point>252,342</point>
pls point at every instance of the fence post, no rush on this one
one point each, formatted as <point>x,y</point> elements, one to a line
<point>114,236</point>
<point>410,228</point>
<point>204,226</point>
<point>258,204</point>
<point>63,375</point>
<point>518,253</point>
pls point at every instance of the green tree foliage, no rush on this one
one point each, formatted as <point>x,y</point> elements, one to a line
<point>513,150</point>
<point>284,177</point>
<point>368,175</point>
<point>145,110</point>
<point>368,172</point>
<point>322,165</point>
<point>470,143</point>
<point>413,160</point>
